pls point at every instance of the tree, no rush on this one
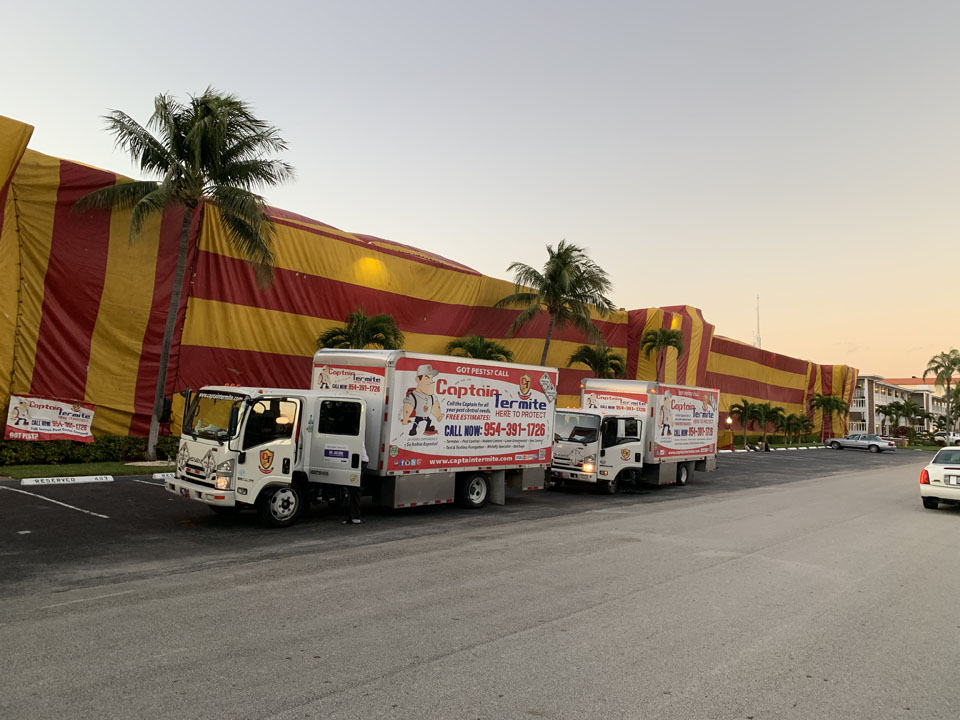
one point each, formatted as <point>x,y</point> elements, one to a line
<point>363,331</point>
<point>829,405</point>
<point>943,365</point>
<point>479,347</point>
<point>894,411</point>
<point>569,286</point>
<point>603,361</point>
<point>793,426</point>
<point>885,413</point>
<point>210,150</point>
<point>659,341</point>
<point>765,414</point>
<point>911,412</point>
<point>745,412</point>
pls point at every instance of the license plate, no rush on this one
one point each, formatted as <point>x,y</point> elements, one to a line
<point>185,492</point>
<point>951,479</point>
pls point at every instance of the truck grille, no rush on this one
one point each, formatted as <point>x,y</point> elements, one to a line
<point>194,473</point>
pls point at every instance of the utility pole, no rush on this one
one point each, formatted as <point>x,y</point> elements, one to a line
<point>757,341</point>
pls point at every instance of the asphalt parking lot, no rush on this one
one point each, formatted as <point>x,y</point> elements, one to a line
<point>59,538</point>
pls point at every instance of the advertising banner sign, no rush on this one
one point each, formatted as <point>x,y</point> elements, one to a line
<point>461,414</point>
<point>615,401</point>
<point>31,418</point>
<point>685,422</point>
<point>347,378</point>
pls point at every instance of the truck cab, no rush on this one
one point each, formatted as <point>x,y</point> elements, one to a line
<point>596,448</point>
<point>272,449</point>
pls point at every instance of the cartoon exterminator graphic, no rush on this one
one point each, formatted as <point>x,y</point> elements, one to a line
<point>419,402</point>
<point>324,377</point>
<point>21,413</point>
<point>666,416</point>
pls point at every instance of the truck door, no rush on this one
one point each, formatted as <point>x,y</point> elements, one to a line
<point>268,445</point>
<point>337,444</point>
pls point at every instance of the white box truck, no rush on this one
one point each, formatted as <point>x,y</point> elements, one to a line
<point>637,431</point>
<point>435,429</point>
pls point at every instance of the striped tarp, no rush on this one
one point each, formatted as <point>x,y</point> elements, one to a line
<point>82,309</point>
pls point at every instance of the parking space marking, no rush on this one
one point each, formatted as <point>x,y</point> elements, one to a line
<point>147,482</point>
<point>97,597</point>
<point>55,502</point>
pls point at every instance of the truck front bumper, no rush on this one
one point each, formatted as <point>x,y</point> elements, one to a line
<point>558,474</point>
<point>193,491</point>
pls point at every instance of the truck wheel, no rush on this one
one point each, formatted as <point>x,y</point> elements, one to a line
<point>473,491</point>
<point>683,473</point>
<point>610,487</point>
<point>280,506</point>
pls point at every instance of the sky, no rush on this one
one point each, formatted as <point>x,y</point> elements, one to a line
<point>704,152</point>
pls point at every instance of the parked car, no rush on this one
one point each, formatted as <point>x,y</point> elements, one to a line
<point>940,480</point>
<point>861,441</point>
<point>946,438</point>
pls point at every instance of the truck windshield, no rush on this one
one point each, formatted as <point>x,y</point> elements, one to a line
<point>576,427</point>
<point>213,415</point>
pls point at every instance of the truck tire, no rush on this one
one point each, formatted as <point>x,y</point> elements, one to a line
<point>473,491</point>
<point>683,473</point>
<point>280,506</point>
<point>610,487</point>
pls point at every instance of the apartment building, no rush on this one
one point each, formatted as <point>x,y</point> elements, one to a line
<point>873,392</point>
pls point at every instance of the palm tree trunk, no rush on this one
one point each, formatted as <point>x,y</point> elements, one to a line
<point>744,436</point>
<point>176,292</point>
<point>546,342</point>
<point>949,422</point>
<point>661,356</point>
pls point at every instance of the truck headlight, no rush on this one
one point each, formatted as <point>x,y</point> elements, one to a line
<point>223,482</point>
<point>589,464</point>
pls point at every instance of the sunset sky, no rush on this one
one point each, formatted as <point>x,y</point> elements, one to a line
<point>704,152</point>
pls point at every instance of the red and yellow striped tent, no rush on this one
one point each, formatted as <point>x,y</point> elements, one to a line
<point>82,309</point>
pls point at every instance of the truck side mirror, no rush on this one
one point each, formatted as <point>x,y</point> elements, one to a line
<point>241,458</point>
<point>603,453</point>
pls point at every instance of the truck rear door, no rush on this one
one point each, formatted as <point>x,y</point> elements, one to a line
<point>336,447</point>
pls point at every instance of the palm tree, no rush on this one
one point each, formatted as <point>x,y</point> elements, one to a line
<point>363,331</point>
<point>943,366</point>
<point>209,150</point>
<point>884,411</point>
<point>659,341</point>
<point>894,410</point>
<point>603,361</point>
<point>911,411</point>
<point>570,285</point>
<point>745,412</point>
<point>829,405</point>
<point>792,426</point>
<point>765,414</point>
<point>479,347</point>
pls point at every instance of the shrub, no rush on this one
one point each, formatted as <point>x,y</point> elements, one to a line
<point>104,448</point>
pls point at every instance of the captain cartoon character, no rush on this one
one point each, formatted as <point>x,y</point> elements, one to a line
<point>419,404</point>
<point>21,413</point>
<point>324,377</point>
<point>666,415</point>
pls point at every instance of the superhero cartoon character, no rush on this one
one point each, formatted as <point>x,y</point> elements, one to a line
<point>420,405</point>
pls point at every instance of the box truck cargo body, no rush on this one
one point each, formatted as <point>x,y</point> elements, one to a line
<point>627,430</point>
<point>435,429</point>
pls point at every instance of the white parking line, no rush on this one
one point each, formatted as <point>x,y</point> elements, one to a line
<point>55,502</point>
<point>147,482</point>
<point>97,597</point>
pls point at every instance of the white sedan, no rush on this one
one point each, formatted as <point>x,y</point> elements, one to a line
<point>940,480</point>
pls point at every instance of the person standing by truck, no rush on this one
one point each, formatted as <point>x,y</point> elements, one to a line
<point>353,492</point>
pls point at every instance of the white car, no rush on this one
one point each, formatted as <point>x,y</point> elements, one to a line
<point>946,438</point>
<point>940,480</point>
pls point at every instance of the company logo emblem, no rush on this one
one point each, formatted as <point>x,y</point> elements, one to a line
<point>624,454</point>
<point>266,461</point>
<point>526,383</point>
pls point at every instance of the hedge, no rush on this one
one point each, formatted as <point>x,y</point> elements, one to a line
<point>104,448</point>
